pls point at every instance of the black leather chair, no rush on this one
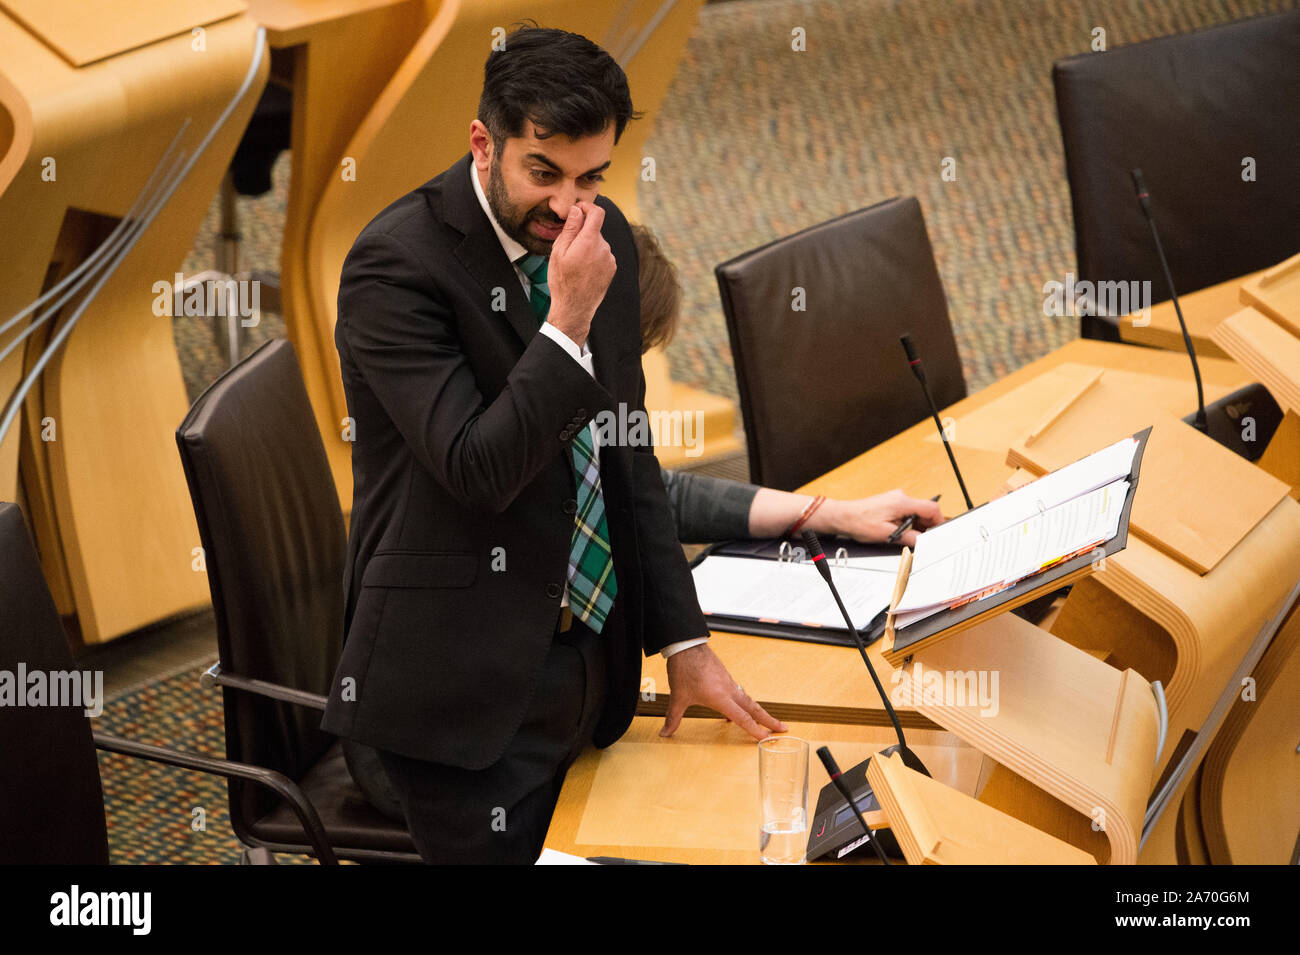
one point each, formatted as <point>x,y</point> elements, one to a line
<point>274,545</point>
<point>820,386</point>
<point>51,802</point>
<point>1186,110</point>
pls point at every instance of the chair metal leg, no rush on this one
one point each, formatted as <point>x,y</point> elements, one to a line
<point>257,855</point>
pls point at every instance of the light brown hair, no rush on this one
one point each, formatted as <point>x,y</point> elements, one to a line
<point>661,292</point>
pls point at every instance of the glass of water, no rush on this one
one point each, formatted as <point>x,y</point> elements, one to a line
<point>783,792</point>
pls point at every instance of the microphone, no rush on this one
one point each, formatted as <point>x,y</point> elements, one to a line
<point>917,370</point>
<point>833,771</point>
<point>1144,200</point>
<point>910,759</point>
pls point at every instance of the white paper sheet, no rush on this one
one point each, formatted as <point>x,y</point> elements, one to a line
<point>1074,480</point>
<point>1017,551</point>
<point>790,593</point>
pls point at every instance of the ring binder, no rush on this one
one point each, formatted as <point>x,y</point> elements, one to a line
<point>846,553</point>
<point>899,645</point>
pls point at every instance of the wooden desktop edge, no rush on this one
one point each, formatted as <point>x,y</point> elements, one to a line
<point>1062,406</point>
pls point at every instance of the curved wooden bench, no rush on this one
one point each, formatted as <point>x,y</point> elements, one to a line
<point>107,496</point>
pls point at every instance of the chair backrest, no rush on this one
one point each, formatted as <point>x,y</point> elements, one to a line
<point>1211,120</point>
<point>274,546</point>
<point>814,321</point>
<point>51,801</point>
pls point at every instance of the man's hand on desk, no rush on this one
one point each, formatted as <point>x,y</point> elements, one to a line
<point>696,675</point>
<point>875,518</point>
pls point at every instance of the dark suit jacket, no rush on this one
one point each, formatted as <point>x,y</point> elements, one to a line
<point>464,489</point>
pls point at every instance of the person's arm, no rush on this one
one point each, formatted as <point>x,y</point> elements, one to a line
<point>708,509</point>
<point>864,519</point>
<point>401,336</point>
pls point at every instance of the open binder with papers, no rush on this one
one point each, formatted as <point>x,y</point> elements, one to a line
<point>1003,554</point>
<point>1014,549</point>
<point>771,589</point>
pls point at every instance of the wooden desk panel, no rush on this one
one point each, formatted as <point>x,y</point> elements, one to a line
<point>1202,310</point>
<point>694,797</point>
<point>111,504</point>
<point>807,682</point>
<point>82,36</point>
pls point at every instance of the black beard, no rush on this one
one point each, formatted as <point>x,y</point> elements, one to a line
<point>513,222</point>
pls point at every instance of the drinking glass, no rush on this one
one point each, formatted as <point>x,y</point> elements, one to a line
<point>783,792</point>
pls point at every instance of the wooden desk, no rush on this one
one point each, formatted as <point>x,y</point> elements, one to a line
<point>807,681</point>
<point>1146,611</point>
<point>1202,310</point>
<point>694,797</point>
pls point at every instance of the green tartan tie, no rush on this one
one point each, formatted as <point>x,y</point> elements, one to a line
<point>592,585</point>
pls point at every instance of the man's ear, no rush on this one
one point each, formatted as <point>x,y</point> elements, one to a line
<point>481,145</point>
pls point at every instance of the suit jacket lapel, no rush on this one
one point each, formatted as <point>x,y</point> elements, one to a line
<point>481,253</point>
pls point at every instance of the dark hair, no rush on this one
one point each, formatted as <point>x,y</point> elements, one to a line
<point>661,292</point>
<point>561,81</point>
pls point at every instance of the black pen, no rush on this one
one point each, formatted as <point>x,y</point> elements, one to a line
<point>906,525</point>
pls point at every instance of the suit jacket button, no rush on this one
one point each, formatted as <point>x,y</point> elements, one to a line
<point>570,506</point>
<point>581,413</point>
<point>553,591</point>
<point>566,434</point>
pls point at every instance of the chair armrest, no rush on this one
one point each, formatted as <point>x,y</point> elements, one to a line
<point>216,676</point>
<point>277,782</point>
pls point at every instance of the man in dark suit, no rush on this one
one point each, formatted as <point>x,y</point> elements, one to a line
<point>508,562</point>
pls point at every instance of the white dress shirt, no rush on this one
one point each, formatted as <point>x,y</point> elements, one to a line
<point>582,355</point>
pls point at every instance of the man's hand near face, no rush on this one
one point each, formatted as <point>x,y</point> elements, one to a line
<point>579,272</point>
<point>696,675</point>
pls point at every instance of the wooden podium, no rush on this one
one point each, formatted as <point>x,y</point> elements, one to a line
<point>937,825</point>
<point>1264,338</point>
<point>1075,740</point>
<point>1224,525</point>
<point>1249,791</point>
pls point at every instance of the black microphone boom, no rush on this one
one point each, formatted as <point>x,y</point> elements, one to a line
<point>910,759</point>
<point>917,370</point>
<point>1144,199</point>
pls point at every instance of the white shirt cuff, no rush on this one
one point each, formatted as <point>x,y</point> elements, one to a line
<point>681,645</point>
<point>564,341</point>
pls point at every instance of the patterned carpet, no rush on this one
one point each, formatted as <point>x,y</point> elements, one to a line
<point>154,810</point>
<point>756,141</point>
<point>151,808</point>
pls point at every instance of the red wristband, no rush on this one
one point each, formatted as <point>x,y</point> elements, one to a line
<point>808,512</point>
